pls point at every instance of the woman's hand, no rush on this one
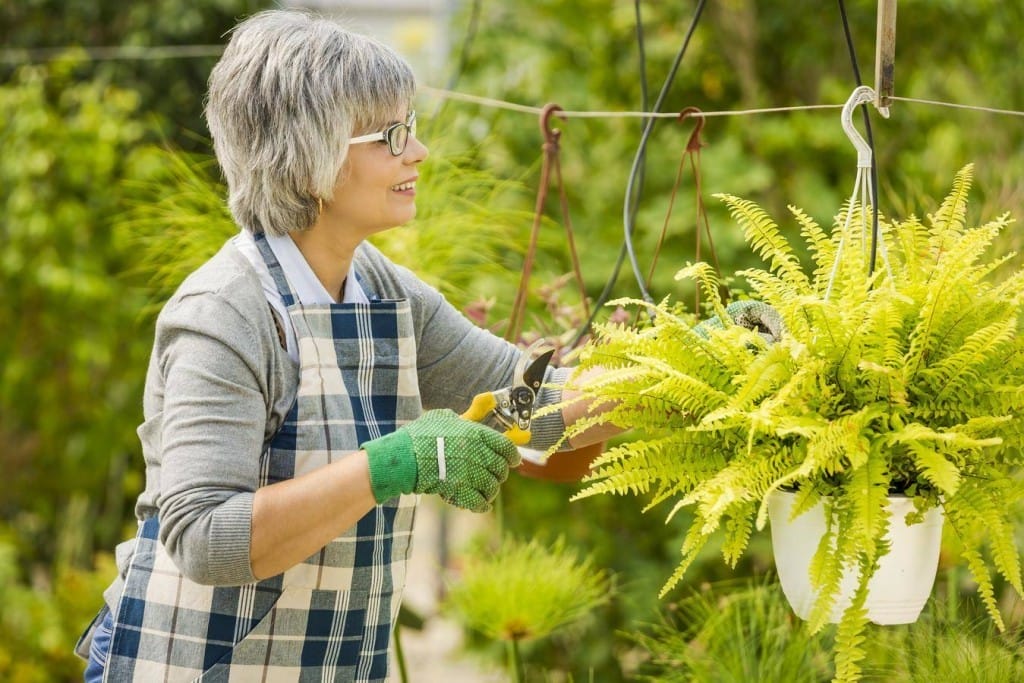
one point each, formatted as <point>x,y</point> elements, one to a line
<point>463,462</point>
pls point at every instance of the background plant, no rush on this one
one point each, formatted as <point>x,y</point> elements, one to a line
<point>524,591</point>
<point>744,630</point>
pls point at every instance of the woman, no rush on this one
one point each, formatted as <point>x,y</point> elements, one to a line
<point>284,432</point>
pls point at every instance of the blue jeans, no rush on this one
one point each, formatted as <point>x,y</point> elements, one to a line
<point>99,649</point>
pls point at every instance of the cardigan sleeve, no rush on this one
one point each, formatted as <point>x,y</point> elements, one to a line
<point>207,437</point>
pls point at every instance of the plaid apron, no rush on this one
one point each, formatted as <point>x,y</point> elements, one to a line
<point>330,617</point>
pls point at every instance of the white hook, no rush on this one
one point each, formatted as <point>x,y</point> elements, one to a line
<point>860,95</point>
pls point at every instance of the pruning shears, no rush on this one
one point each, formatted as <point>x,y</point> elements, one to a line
<point>512,407</point>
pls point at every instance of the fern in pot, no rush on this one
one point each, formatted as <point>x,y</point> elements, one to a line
<point>893,397</point>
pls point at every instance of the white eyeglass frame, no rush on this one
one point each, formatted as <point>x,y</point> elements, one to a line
<point>385,135</point>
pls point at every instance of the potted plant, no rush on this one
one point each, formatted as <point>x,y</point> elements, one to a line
<point>903,380</point>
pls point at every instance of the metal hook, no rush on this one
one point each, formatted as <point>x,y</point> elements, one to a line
<point>550,134</point>
<point>860,95</point>
<point>694,143</point>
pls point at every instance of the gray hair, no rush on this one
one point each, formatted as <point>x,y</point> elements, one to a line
<point>288,93</point>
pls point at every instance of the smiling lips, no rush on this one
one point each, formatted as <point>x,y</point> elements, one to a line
<point>405,187</point>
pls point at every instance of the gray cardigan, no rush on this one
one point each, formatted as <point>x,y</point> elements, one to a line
<point>220,383</point>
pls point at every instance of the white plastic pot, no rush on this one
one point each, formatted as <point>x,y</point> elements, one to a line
<point>899,589</point>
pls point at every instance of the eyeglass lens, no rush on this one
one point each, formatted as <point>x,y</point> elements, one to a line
<point>398,135</point>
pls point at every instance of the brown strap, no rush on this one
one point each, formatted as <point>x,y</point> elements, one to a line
<point>550,160</point>
<point>692,151</point>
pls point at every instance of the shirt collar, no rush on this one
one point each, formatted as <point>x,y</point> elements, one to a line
<point>304,282</point>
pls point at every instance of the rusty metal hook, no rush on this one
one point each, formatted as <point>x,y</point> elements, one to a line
<point>694,143</point>
<point>551,135</point>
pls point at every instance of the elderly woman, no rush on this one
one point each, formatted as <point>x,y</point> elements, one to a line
<point>285,435</point>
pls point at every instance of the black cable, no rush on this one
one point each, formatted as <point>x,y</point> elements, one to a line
<point>610,283</point>
<point>871,141</point>
<point>634,185</point>
<point>628,212</point>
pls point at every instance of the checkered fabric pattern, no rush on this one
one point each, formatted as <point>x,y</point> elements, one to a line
<point>330,617</point>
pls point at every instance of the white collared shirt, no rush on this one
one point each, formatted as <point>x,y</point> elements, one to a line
<point>303,281</point>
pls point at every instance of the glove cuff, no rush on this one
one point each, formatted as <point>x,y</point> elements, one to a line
<point>392,465</point>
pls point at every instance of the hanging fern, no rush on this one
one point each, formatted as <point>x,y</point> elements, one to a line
<point>906,380</point>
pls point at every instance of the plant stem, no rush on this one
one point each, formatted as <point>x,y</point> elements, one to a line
<point>514,664</point>
<point>952,594</point>
<point>499,514</point>
<point>400,656</point>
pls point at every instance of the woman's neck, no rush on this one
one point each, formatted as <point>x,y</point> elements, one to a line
<point>328,256</point>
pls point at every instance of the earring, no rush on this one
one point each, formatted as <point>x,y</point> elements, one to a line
<point>320,204</point>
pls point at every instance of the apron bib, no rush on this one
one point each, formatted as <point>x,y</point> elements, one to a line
<point>330,617</point>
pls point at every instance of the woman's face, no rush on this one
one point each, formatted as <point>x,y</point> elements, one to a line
<point>377,190</point>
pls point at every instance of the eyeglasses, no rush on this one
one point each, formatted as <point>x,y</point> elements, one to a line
<point>396,135</point>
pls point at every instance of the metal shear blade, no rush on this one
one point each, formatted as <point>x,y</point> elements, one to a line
<point>525,387</point>
<point>512,407</point>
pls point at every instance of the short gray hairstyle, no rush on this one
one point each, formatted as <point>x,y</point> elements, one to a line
<point>284,99</point>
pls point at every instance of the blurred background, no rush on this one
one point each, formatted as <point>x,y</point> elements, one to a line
<point>109,196</point>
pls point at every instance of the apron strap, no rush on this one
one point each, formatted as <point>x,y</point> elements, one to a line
<point>276,271</point>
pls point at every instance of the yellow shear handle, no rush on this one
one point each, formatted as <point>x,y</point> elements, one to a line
<point>482,406</point>
<point>518,436</point>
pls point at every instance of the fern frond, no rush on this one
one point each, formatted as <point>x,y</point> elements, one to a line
<point>1011,289</point>
<point>958,262</point>
<point>765,373</point>
<point>763,236</point>
<point>911,237</point>
<point>826,572</point>
<point>707,279</point>
<point>986,506</point>
<point>850,636</point>
<point>832,448</point>
<point>955,372</point>
<point>693,543</point>
<point>981,428</point>
<point>948,221</point>
<point>819,243</point>
<point>976,513</point>
<point>866,500</point>
<point>934,467</point>
<point>979,571</point>
<point>738,528</point>
<point>884,329</point>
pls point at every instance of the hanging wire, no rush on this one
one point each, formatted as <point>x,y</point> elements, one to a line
<point>870,139</point>
<point>628,212</point>
<point>32,55</point>
<point>20,56</point>
<point>609,284</point>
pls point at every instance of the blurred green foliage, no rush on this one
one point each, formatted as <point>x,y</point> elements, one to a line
<point>745,54</point>
<point>85,196</point>
<point>70,357</point>
<point>44,614</point>
<point>71,348</point>
<point>744,630</point>
<point>170,91</point>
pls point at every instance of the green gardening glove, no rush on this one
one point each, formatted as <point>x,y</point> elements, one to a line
<point>756,316</point>
<point>461,461</point>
